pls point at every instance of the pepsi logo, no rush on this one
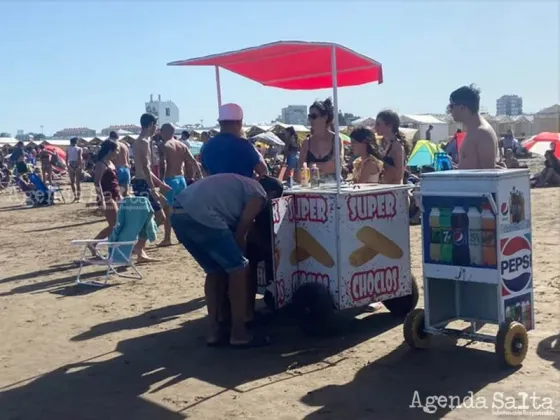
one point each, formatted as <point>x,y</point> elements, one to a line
<point>516,263</point>
<point>504,209</point>
<point>458,238</point>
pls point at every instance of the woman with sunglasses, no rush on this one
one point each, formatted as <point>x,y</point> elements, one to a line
<point>368,165</point>
<point>396,148</point>
<point>319,148</point>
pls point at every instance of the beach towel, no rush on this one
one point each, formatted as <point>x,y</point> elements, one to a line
<point>135,220</point>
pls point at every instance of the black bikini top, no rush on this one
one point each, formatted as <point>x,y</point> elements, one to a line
<point>311,158</point>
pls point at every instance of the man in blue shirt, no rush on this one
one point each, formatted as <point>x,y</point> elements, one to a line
<point>228,152</point>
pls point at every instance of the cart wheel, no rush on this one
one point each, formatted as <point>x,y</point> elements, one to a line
<point>269,301</point>
<point>314,308</point>
<point>402,306</point>
<point>413,329</point>
<point>512,344</point>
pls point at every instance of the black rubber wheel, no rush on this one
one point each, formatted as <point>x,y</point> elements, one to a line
<point>269,301</point>
<point>413,330</point>
<point>314,309</point>
<point>403,305</point>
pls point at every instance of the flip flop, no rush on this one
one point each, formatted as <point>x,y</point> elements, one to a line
<point>222,340</point>
<point>256,341</point>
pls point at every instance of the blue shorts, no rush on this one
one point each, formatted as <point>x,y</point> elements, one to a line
<point>215,250</point>
<point>141,189</point>
<point>292,160</point>
<point>177,184</point>
<point>123,176</point>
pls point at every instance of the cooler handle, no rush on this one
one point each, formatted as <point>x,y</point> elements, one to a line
<point>418,194</point>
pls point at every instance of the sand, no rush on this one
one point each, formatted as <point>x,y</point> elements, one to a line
<point>135,350</point>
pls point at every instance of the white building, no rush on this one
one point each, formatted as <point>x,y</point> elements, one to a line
<point>166,111</point>
<point>421,123</point>
<point>294,114</point>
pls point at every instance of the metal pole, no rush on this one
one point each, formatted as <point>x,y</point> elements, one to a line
<point>337,144</point>
<point>218,86</point>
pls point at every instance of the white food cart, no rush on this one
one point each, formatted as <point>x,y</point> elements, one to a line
<point>340,251</point>
<point>477,258</point>
<point>350,267</point>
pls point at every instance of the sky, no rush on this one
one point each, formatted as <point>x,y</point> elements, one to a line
<point>80,63</point>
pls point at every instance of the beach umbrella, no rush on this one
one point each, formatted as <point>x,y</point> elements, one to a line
<point>268,138</point>
<point>345,139</point>
<point>55,149</point>
<point>542,142</point>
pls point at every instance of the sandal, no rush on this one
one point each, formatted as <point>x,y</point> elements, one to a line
<point>255,341</point>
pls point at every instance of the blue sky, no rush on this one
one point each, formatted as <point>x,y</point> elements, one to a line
<point>78,63</point>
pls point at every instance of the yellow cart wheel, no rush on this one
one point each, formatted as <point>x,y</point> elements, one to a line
<point>413,330</point>
<point>512,343</point>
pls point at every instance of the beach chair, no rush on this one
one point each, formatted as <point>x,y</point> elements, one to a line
<point>43,194</point>
<point>135,219</point>
<point>111,255</point>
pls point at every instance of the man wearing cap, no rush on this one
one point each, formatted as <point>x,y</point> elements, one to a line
<point>228,152</point>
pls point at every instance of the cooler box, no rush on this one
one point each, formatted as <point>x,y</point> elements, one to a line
<point>477,251</point>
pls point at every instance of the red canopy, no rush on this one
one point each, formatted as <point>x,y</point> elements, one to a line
<point>295,65</point>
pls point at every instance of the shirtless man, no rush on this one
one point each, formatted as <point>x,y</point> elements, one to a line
<point>145,182</point>
<point>122,163</point>
<point>177,159</point>
<point>480,146</point>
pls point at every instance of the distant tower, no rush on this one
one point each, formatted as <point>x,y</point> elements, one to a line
<point>510,105</point>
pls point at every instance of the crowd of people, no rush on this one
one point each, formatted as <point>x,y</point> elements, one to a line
<point>218,205</point>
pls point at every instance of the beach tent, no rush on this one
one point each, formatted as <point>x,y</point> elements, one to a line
<point>423,153</point>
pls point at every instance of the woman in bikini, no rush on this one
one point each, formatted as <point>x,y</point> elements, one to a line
<point>319,148</point>
<point>74,162</point>
<point>46,158</point>
<point>396,148</point>
<point>107,187</point>
<point>368,165</point>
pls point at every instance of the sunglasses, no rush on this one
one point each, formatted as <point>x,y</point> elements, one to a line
<point>313,116</point>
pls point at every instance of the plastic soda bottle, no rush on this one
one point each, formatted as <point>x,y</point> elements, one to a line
<point>460,225</point>
<point>489,257</point>
<point>435,235</point>
<point>304,175</point>
<point>475,236</point>
<point>314,176</point>
<point>446,250</point>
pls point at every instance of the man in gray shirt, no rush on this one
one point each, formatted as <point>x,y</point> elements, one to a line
<point>212,218</point>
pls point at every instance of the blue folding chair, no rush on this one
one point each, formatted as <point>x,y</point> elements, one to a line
<point>44,195</point>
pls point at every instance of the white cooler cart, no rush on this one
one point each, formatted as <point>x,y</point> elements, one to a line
<point>478,271</point>
<point>335,251</point>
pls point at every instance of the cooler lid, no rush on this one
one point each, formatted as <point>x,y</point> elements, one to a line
<point>476,173</point>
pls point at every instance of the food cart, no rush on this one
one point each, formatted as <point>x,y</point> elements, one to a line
<point>338,246</point>
<point>477,259</point>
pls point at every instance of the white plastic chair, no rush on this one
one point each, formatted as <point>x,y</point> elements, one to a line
<point>114,257</point>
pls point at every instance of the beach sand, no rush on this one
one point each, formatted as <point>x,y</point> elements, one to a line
<point>135,350</point>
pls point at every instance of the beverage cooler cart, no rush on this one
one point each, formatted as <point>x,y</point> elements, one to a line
<point>477,259</point>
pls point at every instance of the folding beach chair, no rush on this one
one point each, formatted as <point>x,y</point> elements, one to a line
<point>44,194</point>
<point>111,255</point>
<point>135,219</point>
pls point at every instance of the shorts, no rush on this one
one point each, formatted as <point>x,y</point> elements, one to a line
<point>141,189</point>
<point>22,168</point>
<point>73,165</point>
<point>215,250</point>
<point>123,176</point>
<point>292,160</point>
<point>177,183</point>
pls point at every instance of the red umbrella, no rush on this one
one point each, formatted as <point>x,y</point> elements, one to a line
<point>55,149</point>
<point>295,65</point>
<point>542,142</point>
